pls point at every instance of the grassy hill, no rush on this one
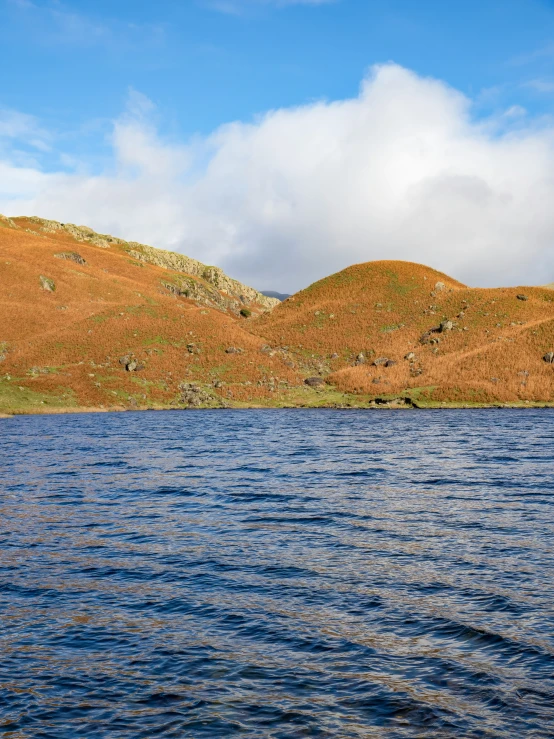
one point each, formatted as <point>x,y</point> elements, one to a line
<point>92,321</point>
<point>78,309</point>
<point>490,347</point>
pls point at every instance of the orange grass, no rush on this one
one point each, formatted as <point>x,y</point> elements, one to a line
<point>70,340</point>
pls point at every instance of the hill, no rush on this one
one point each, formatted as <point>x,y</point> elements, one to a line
<point>273,294</point>
<point>91,321</point>
<point>396,328</point>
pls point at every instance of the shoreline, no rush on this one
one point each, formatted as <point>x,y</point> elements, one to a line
<point>381,407</point>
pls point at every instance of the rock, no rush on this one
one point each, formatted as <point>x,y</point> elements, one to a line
<point>390,363</point>
<point>72,255</point>
<point>376,381</point>
<point>426,337</point>
<point>446,326</point>
<point>410,356</point>
<point>47,284</point>
<point>360,359</point>
<point>522,297</point>
<point>392,403</point>
<point>314,381</point>
<point>124,361</point>
<point>440,286</point>
<point>334,356</point>
<point>132,365</point>
<point>193,395</point>
<point>379,361</point>
<point>233,350</point>
<point>549,357</point>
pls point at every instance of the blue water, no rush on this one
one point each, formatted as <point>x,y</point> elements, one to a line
<point>277,574</point>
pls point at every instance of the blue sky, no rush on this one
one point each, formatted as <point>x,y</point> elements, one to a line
<point>99,89</point>
<point>205,63</point>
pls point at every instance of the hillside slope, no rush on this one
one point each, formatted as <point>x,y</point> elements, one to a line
<point>490,347</point>
<point>92,321</point>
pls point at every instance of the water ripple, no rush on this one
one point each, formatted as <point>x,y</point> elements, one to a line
<point>277,574</point>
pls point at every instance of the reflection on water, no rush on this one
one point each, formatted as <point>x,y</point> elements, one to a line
<point>277,574</point>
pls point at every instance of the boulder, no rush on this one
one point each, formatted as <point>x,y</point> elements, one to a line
<point>379,361</point>
<point>549,357</point>
<point>446,326</point>
<point>360,359</point>
<point>410,356</point>
<point>47,284</point>
<point>426,337</point>
<point>314,381</point>
<point>233,350</point>
<point>194,396</point>
<point>390,363</point>
<point>71,255</point>
<point>439,286</point>
<point>522,297</point>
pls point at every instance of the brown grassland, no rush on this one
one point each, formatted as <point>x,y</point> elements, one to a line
<point>60,349</point>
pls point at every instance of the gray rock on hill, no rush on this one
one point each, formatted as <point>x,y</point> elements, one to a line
<point>220,284</point>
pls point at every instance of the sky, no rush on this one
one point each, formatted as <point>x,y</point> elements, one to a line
<point>287,139</point>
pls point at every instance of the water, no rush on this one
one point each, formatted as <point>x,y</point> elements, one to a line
<point>277,574</point>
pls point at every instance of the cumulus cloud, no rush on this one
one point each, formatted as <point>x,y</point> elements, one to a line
<point>402,171</point>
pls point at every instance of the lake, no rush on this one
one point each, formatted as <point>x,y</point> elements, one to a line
<point>279,573</point>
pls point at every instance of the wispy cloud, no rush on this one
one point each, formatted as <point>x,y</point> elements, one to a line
<point>543,86</point>
<point>542,53</point>
<point>18,126</point>
<point>59,23</point>
<point>240,7</point>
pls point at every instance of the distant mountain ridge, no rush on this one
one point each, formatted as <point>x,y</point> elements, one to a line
<point>273,294</point>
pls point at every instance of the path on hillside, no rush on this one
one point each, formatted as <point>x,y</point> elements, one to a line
<point>485,347</point>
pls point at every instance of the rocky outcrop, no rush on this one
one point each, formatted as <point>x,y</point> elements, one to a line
<point>79,233</point>
<point>238,295</point>
<point>214,276</point>
<point>7,222</point>
<point>47,284</point>
<point>195,396</point>
<point>201,292</point>
<point>72,256</point>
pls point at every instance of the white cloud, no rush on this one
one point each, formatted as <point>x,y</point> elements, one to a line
<point>15,125</point>
<point>541,86</point>
<point>237,7</point>
<point>399,172</point>
<point>53,22</point>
